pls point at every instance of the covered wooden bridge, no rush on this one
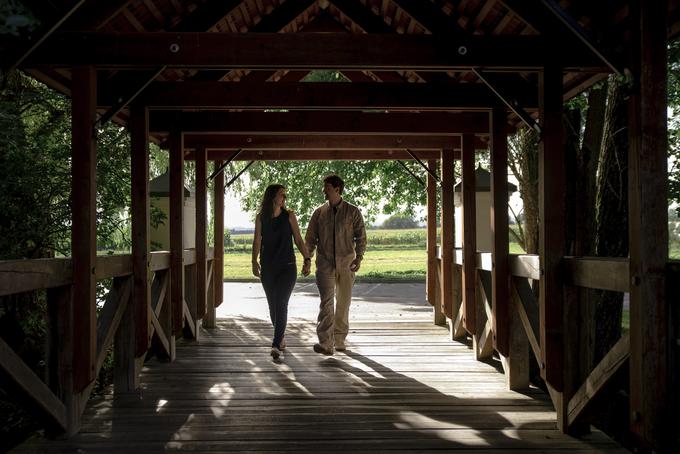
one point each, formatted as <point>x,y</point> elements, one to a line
<point>431,81</point>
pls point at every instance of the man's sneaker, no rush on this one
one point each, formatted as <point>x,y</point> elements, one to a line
<point>276,353</point>
<point>340,346</point>
<point>323,350</point>
<point>282,347</point>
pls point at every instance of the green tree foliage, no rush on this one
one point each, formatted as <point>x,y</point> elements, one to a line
<point>35,192</point>
<point>400,221</point>
<point>374,186</point>
<point>674,122</point>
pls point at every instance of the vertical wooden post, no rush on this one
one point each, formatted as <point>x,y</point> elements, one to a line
<point>469,234</point>
<point>447,234</point>
<point>141,243</point>
<point>177,229</point>
<point>210,315</point>
<point>218,265</point>
<point>649,308</point>
<point>201,230</point>
<point>552,234</point>
<point>60,354</point>
<point>500,291</point>
<point>126,365</point>
<point>84,230</point>
<point>431,289</point>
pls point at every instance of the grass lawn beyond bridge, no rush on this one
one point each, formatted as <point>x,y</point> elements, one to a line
<point>391,256</point>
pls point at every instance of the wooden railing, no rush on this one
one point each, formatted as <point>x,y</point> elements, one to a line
<point>525,324</point>
<point>55,395</point>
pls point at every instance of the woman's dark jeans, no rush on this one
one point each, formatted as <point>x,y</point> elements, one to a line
<point>278,283</point>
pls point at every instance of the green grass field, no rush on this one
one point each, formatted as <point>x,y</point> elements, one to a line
<point>391,256</point>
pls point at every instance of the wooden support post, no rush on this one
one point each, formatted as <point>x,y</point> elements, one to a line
<point>60,352</point>
<point>165,315</point>
<point>84,229</point>
<point>177,230</point>
<point>649,307</point>
<point>500,282</point>
<point>431,288</point>
<point>201,231</point>
<point>141,243</point>
<point>218,265</point>
<point>209,317</point>
<point>126,365</point>
<point>447,234</point>
<point>469,234</point>
<point>552,234</point>
<point>191,322</point>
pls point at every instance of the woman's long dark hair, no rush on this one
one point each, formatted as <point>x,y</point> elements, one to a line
<point>267,206</point>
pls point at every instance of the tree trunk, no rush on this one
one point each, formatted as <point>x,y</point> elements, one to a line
<point>611,231</point>
<point>523,161</point>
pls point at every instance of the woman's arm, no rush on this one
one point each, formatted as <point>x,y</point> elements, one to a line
<point>299,242</point>
<point>257,243</point>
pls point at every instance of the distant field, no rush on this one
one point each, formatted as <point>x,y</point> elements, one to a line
<point>391,255</point>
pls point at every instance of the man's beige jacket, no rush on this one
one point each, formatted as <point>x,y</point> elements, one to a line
<point>346,224</point>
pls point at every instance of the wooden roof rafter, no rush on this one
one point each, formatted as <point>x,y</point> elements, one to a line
<point>318,155</point>
<point>320,122</point>
<point>319,96</point>
<point>292,141</point>
<point>294,51</point>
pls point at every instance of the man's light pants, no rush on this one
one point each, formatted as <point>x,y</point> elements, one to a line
<point>333,323</point>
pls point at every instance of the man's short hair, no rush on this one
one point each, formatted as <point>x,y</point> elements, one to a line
<point>335,181</point>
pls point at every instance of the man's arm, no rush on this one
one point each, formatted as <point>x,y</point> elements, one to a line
<point>359,240</point>
<point>359,234</point>
<point>312,235</point>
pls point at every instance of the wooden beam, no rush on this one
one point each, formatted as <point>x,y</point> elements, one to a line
<point>124,86</point>
<point>141,242</point>
<point>431,288</point>
<point>34,388</point>
<point>527,309</point>
<point>500,274</point>
<point>20,53</point>
<point>84,229</point>
<point>469,235</point>
<point>111,315</point>
<point>300,51</point>
<point>525,265</point>
<point>320,155</point>
<point>432,18</point>
<point>295,142</point>
<point>319,96</point>
<point>358,13</point>
<point>447,233</point>
<point>599,377</point>
<point>322,122</point>
<point>648,229</point>
<point>546,16</point>
<point>210,313</point>
<point>218,228</point>
<point>604,273</point>
<point>17,276</point>
<point>176,230</point>
<point>201,231</point>
<point>552,232</point>
<point>94,15</point>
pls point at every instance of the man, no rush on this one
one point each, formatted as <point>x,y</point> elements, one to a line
<point>337,232</point>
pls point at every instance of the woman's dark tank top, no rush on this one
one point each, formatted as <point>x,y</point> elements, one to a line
<point>277,241</point>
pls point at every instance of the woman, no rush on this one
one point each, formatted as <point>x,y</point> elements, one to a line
<point>275,229</point>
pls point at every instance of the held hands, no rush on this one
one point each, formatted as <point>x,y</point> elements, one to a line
<point>256,268</point>
<point>307,267</point>
<point>355,265</point>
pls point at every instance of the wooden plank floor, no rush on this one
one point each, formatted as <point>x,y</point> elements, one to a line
<point>401,386</point>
